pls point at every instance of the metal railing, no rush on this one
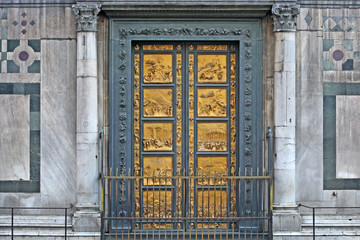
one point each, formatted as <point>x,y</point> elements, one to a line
<point>314,214</point>
<point>12,224</point>
<point>210,205</point>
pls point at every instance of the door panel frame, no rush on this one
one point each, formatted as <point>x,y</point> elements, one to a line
<point>247,32</point>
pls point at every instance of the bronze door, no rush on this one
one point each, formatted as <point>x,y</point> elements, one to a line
<point>185,124</point>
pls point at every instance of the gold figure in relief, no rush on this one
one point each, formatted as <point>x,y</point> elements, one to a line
<point>159,168</point>
<point>212,136</point>
<point>157,203</point>
<point>212,203</point>
<point>212,68</point>
<point>158,68</point>
<point>211,102</point>
<point>158,102</point>
<point>158,136</point>
<point>212,166</point>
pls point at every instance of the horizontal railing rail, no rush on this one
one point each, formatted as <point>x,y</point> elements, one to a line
<point>321,207</point>
<point>12,226</point>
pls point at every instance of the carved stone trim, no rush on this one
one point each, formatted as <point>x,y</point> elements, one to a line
<point>86,16</point>
<point>284,16</point>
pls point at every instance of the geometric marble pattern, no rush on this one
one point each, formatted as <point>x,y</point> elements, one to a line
<point>341,50</point>
<point>20,56</point>
<point>341,24</point>
<point>330,125</point>
<point>33,91</point>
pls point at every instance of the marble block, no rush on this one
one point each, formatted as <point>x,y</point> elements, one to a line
<point>347,136</point>
<point>15,137</point>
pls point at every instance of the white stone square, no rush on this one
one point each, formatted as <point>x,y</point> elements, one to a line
<point>14,137</point>
<point>347,136</point>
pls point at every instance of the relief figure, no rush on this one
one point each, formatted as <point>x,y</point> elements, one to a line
<point>212,102</point>
<point>157,68</point>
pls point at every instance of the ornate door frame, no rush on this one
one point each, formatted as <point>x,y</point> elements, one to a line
<point>246,32</point>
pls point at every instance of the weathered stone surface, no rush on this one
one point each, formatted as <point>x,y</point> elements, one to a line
<point>23,23</point>
<point>309,109</point>
<point>57,22</point>
<point>58,123</point>
<point>14,137</point>
<point>347,136</point>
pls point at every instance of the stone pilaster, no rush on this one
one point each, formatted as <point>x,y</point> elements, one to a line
<point>286,216</point>
<point>87,214</point>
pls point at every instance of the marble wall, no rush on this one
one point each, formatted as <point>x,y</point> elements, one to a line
<point>327,133</point>
<point>38,96</point>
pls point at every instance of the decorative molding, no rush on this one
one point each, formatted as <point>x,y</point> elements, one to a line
<point>184,32</point>
<point>86,17</point>
<point>284,16</point>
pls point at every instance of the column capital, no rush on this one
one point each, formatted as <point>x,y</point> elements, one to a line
<point>86,16</point>
<point>284,16</point>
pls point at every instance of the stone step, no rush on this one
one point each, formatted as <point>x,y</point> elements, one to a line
<point>332,223</point>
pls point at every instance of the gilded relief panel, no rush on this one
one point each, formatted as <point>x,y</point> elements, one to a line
<point>157,169</point>
<point>214,168</point>
<point>157,203</point>
<point>158,47</point>
<point>212,136</point>
<point>157,102</point>
<point>212,68</point>
<point>212,102</point>
<point>212,47</point>
<point>158,136</point>
<point>158,68</point>
<point>212,203</point>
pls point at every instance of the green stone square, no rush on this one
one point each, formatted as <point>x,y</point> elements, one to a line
<point>34,121</point>
<point>327,44</point>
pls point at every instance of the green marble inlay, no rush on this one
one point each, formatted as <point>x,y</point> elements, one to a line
<point>12,44</point>
<point>329,136</point>
<point>328,65</point>
<point>327,44</point>
<point>34,44</point>
<point>356,55</point>
<point>12,67</point>
<point>6,88</point>
<point>34,103</point>
<point>35,67</point>
<point>348,65</point>
<point>33,185</point>
<point>18,88</point>
<point>3,55</point>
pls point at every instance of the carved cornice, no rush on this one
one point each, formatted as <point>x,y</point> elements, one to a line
<point>284,16</point>
<point>86,16</point>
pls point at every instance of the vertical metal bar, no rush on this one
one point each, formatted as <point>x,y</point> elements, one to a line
<point>12,223</point>
<point>65,223</point>
<point>270,173</point>
<point>313,223</point>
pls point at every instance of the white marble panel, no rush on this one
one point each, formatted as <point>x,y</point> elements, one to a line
<point>57,22</point>
<point>347,136</point>
<point>58,122</point>
<point>309,118</point>
<point>14,137</point>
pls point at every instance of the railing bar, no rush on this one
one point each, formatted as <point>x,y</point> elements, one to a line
<point>12,223</point>
<point>117,205</point>
<point>313,223</point>
<point>251,207</point>
<point>65,223</point>
<point>245,209</point>
<point>187,177</point>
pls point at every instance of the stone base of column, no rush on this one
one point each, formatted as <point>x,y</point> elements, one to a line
<point>286,219</point>
<point>87,219</point>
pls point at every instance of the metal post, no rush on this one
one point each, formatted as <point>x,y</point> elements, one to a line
<point>12,223</point>
<point>270,172</point>
<point>313,223</point>
<point>65,223</point>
